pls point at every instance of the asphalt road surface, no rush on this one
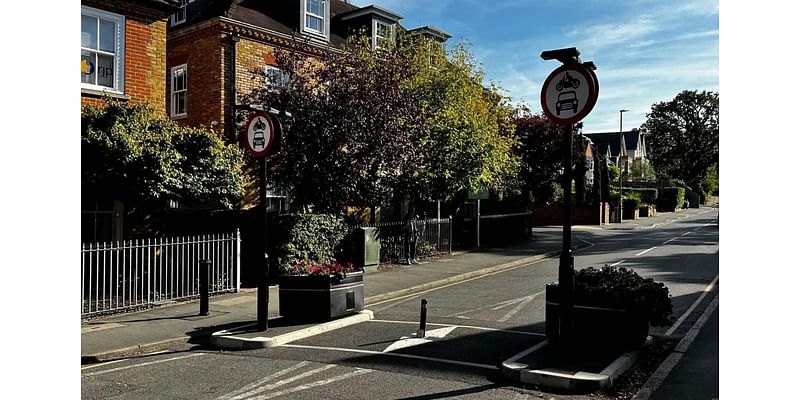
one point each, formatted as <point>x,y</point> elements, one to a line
<point>472,327</point>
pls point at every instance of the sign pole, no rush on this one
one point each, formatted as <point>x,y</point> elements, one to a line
<point>566,271</point>
<point>263,275</point>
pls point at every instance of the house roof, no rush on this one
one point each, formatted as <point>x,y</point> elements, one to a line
<point>266,14</point>
<point>603,140</point>
<point>371,9</point>
<point>432,31</point>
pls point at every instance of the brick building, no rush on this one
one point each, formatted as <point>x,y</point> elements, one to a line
<point>213,47</point>
<point>124,50</point>
<point>124,56</point>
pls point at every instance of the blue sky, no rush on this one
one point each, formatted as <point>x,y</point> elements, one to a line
<point>646,51</point>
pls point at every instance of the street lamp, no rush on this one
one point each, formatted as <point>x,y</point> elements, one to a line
<point>619,162</point>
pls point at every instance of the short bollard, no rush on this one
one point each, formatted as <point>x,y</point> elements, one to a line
<point>423,312</point>
<point>204,268</point>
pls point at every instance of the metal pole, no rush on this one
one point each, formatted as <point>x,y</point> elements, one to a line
<point>619,161</point>
<point>423,314</point>
<point>204,268</point>
<point>566,273</point>
<point>478,219</point>
<point>263,275</point>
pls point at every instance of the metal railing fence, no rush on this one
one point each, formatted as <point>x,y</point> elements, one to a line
<point>132,274</point>
<point>435,238</point>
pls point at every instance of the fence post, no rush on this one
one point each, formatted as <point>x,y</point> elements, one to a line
<point>450,241</point>
<point>238,260</point>
<point>204,268</point>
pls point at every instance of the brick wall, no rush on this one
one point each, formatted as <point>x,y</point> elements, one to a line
<point>145,52</point>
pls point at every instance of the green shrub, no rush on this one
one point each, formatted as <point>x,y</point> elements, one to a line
<point>647,195</point>
<point>631,203</point>
<point>316,237</point>
<point>670,198</point>
<point>621,288</point>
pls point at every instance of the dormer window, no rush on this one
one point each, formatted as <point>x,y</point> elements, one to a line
<point>383,34</point>
<point>316,17</point>
<point>180,16</point>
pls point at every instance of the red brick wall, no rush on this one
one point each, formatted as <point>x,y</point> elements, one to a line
<point>145,53</point>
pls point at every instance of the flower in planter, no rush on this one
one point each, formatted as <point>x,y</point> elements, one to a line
<point>336,269</point>
<point>622,288</point>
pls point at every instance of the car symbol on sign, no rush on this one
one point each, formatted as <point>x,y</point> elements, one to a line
<point>566,101</point>
<point>258,139</point>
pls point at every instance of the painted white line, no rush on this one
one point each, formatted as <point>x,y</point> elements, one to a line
<point>617,263</point>
<point>358,371</point>
<point>142,364</point>
<point>686,233</point>
<point>388,306</point>
<point>645,251</point>
<point>262,381</point>
<point>378,353</point>
<point>495,306</point>
<point>281,383</point>
<point>409,341</point>
<point>683,317</point>
<point>480,328</point>
<point>675,238</point>
<point>518,308</point>
<point>526,352</point>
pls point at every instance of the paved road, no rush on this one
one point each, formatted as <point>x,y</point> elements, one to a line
<point>472,327</point>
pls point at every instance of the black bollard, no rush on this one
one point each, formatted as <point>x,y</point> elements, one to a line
<point>423,313</point>
<point>204,269</point>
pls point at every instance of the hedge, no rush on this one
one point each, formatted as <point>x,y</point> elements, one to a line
<point>647,195</point>
<point>670,199</point>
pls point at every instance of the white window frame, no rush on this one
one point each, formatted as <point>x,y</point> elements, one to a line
<point>375,23</point>
<point>325,32</point>
<point>275,86</point>
<point>119,53</point>
<point>179,16</point>
<point>172,92</point>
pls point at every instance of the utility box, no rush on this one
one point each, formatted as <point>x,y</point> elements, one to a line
<point>368,247</point>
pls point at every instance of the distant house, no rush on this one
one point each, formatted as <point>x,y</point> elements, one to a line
<point>213,47</point>
<point>609,145</point>
<point>123,50</point>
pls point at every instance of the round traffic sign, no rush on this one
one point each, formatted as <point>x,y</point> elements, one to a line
<point>259,134</point>
<point>569,93</point>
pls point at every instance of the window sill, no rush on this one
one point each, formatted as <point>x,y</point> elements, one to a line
<point>101,93</point>
<point>179,117</point>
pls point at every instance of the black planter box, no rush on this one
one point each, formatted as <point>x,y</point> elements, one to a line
<point>595,326</point>
<point>320,298</point>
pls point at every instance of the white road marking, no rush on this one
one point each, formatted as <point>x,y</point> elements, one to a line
<point>683,317</point>
<point>358,371</point>
<point>142,364</point>
<point>401,355</point>
<point>518,307</point>
<point>617,263</point>
<point>645,251</point>
<point>686,233</point>
<point>480,328</point>
<point>409,341</point>
<point>262,381</point>
<point>675,238</point>
<point>526,352</point>
<point>280,383</point>
<point>495,306</point>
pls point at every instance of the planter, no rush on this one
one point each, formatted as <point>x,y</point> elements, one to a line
<point>647,211</point>
<point>320,298</point>
<point>630,213</point>
<point>595,326</point>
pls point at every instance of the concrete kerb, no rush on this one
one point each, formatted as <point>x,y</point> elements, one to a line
<point>135,350</point>
<point>228,341</point>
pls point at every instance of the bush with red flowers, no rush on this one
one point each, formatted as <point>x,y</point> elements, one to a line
<point>336,269</point>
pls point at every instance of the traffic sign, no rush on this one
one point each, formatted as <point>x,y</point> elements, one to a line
<point>259,134</point>
<point>569,93</point>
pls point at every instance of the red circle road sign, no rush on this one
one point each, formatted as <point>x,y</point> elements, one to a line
<point>569,93</point>
<point>259,134</point>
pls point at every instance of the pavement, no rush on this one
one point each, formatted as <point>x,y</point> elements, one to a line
<point>231,320</point>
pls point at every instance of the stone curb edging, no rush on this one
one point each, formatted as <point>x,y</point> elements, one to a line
<point>224,339</point>
<point>465,276</point>
<point>580,381</point>
<point>138,349</point>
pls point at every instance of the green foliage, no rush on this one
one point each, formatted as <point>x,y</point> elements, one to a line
<point>621,288</point>
<point>646,195</point>
<point>297,237</point>
<point>683,137</point>
<point>466,140</point>
<point>670,198</point>
<point>712,179</point>
<point>134,154</point>
<point>613,173</point>
<point>347,141</point>
<point>631,200</point>
<point>641,170</point>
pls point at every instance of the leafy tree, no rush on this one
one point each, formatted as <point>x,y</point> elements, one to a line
<point>712,180</point>
<point>135,154</point>
<point>347,140</point>
<point>642,170</point>
<point>540,153</point>
<point>468,136</point>
<point>683,136</point>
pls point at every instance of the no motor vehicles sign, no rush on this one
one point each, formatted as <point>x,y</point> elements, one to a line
<point>259,134</point>
<point>569,93</point>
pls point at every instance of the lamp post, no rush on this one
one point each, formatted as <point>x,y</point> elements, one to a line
<point>619,162</point>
